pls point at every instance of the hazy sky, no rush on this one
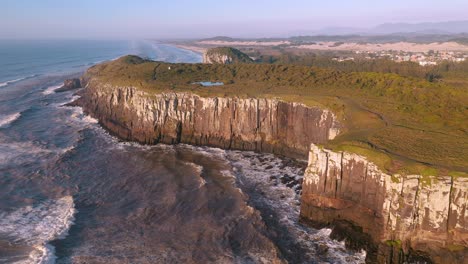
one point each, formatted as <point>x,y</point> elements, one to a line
<point>203,18</point>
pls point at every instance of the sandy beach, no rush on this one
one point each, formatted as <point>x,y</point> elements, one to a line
<point>243,43</point>
<point>192,48</point>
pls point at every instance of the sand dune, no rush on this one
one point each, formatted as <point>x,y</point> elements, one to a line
<point>403,46</point>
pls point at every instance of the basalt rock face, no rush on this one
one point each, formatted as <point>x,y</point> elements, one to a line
<point>406,218</point>
<point>265,125</point>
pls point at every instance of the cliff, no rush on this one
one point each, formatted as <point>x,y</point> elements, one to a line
<point>389,200</point>
<point>225,55</point>
<point>406,216</point>
<point>266,125</point>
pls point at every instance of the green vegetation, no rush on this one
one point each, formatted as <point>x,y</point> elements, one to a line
<point>394,243</point>
<point>404,124</point>
<point>442,71</point>
<point>236,55</point>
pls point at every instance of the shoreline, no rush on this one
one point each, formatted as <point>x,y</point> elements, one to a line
<point>199,50</point>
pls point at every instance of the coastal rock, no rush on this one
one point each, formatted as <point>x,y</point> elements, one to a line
<point>406,217</point>
<point>70,84</point>
<point>225,55</point>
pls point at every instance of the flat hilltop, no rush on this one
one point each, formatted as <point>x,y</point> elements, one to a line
<point>405,125</point>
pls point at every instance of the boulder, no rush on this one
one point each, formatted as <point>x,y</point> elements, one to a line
<point>69,84</point>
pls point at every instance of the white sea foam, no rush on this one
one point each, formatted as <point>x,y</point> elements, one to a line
<point>20,152</point>
<point>51,89</point>
<point>70,99</point>
<point>89,119</point>
<point>3,84</point>
<point>37,225</point>
<point>280,184</point>
<point>68,149</point>
<point>276,180</point>
<point>41,254</point>
<point>198,171</point>
<point>6,120</point>
<point>9,82</point>
<point>79,116</point>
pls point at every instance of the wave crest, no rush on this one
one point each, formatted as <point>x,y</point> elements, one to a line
<point>6,120</point>
<point>3,84</point>
<point>51,89</point>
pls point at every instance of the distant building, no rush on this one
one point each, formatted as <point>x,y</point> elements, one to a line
<point>427,63</point>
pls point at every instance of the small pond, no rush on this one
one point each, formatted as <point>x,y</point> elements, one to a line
<point>209,83</point>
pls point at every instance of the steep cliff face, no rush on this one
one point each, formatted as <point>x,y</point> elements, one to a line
<point>225,55</point>
<point>232,123</point>
<point>404,216</point>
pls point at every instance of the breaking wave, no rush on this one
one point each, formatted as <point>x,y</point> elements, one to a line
<point>6,120</point>
<point>3,84</point>
<point>51,89</point>
<point>36,225</point>
<point>20,152</point>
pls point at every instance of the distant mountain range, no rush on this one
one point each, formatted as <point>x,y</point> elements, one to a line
<point>461,38</point>
<point>390,32</point>
<point>440,28</point>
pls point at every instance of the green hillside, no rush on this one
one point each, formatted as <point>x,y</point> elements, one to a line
<point>236,55</point>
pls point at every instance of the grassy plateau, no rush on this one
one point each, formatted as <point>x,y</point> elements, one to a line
<point>405,125</point>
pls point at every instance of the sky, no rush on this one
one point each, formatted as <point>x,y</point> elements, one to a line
<point>206,18</point>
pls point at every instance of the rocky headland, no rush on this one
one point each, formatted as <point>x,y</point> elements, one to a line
<point>396,215</point>
<point>225,55</point>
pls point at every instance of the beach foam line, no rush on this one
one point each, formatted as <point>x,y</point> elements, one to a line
<point>6,120</point>
<point>3,84</point>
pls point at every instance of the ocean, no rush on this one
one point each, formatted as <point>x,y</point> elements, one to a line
<point>72,193</point>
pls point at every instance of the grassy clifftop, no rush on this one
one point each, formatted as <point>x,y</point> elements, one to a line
<point>405,125</point>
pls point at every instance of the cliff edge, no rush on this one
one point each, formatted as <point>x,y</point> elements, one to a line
<point>265,125</point>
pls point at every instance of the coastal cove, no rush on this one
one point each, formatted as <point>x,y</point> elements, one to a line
<point>356,186</point>
<point>239,132</point>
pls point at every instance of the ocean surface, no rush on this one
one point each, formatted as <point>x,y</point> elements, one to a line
<point>71,193</point>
